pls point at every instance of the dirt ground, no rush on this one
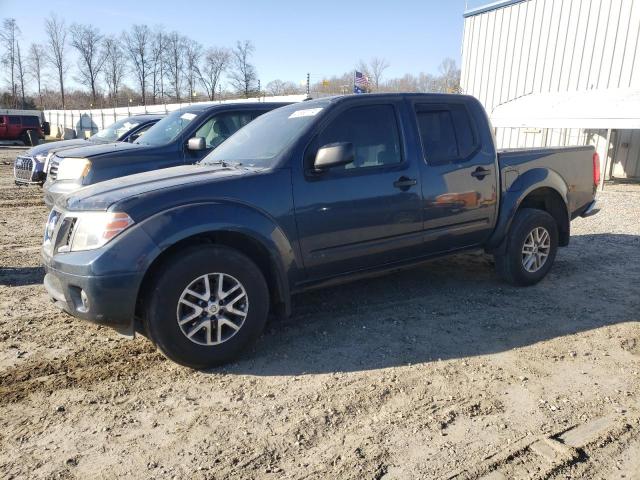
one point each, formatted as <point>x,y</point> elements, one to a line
<point>437,372</point>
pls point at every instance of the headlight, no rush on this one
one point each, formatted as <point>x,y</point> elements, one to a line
<point>73,168</point>
<point>41,157</point>
<point>94,229</point>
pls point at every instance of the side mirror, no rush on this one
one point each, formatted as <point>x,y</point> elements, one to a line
<point>132,138</point>
<point>196,144</point>
<point>334,155</point>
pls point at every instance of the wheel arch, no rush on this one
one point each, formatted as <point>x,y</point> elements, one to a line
<point>540,188</point>
<point>235,226</point>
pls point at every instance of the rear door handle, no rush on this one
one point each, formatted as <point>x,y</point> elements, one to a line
<point>405,183</point>
<point>480,173</point>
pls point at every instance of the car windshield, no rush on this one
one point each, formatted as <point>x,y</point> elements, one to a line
<point>117,130</point>
<point>263,140</point>
<point>167,129</point>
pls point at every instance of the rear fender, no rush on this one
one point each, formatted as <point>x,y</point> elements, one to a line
<point>518,191</point>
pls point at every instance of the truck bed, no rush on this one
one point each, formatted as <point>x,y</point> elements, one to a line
<point>573,166</point>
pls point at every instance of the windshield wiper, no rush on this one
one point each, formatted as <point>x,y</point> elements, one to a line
<point>224,163</point>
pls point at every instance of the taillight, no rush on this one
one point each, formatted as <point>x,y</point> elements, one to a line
<point>596,169</point>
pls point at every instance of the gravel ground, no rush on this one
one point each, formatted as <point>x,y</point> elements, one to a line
<point>437,372</point>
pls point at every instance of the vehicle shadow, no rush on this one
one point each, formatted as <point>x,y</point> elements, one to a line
<point>450,308</point>
<point>21,276</point>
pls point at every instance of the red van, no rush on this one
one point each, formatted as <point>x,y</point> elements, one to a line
<point>15,127</point>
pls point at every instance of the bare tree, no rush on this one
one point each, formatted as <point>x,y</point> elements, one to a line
<point>175,61</point>
<point>137,43</point>
<point>192,54</point>
<point>243,76</point>
<point>280,87</point>
<point>449,81</point>
<point>87,40</point>
<point>114,67</point>
<point>158,63</point>
<point>377,66</point>
<point>57,35</point>
<point>21,71</point>
<point>35,65</point>
<point>9,37</point>
<point>215,62</point>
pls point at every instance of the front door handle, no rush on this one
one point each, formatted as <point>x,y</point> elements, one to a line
<point>480,173</point>
<point>405,183</point>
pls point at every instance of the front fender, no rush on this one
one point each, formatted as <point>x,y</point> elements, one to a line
<point>180,223</point>
<point>511,200</point>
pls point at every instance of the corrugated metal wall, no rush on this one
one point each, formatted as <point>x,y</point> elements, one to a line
<point>534,46</point>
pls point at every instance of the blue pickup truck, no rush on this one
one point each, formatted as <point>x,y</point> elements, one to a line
<point>185,136</point>
<point>307,195</point>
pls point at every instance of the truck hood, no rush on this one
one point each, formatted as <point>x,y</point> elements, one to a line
<point>101,196</point>
<point>93,150</point>
<point>46,148</point>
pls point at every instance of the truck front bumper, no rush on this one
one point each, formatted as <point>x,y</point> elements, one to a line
<point>101,285</point>
<point>108,300</point>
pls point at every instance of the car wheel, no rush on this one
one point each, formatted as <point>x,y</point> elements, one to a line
<point>531,248</point>
<point>207,304</point>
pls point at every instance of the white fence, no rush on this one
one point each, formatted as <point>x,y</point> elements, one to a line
<point>80,123</point>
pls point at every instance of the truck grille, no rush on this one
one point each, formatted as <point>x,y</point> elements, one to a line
<point>23,169</point>
<point>53,168</point>
<point>65,233</point>
<point>59,232</point>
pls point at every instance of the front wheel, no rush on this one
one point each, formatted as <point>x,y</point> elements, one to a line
<point>24,138</point>
<point>531,248</point>
<point>207,304</point>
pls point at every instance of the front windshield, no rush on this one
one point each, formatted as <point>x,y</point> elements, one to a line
<point>116,130</point>
<point>167,129</point>
<point>263,140</point>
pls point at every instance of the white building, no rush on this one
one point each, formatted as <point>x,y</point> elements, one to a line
<point>559,72</point>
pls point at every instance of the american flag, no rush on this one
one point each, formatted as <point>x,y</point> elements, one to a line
<point>361,80</point>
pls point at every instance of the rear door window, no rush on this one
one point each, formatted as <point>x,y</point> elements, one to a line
<point>14,120</point>
<point>446,133</point>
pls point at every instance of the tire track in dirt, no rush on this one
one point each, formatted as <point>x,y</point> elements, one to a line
<point>79,369</point>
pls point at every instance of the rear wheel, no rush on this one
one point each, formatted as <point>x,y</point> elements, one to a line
<point>24,138</point>
<point>207,304</point>
<point>531,248</point>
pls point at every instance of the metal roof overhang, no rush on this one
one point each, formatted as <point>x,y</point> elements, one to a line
<point>489,7</point>
<point>595,109</point>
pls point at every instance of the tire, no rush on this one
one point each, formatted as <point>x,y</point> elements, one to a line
<point>24,138</point>
<point>524,269</point>
<point>168,300</point>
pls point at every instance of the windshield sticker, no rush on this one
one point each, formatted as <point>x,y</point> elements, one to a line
<point>310,112</point>
<point>188,116</point>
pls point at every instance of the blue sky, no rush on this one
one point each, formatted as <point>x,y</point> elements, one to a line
<point>291,37</point>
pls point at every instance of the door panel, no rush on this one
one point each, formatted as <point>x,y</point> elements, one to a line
<point>459,179</point>
<point>364,214</point>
